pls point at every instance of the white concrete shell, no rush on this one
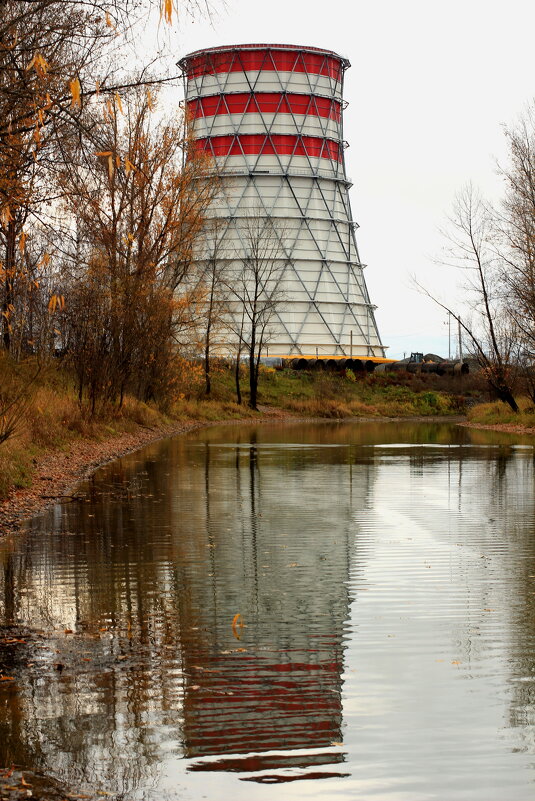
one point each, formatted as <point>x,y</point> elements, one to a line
<point>272,118</point>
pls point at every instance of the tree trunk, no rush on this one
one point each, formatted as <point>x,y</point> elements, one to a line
<point>505,395</point>
<point>237,377</point>
<point>207,378</point>
<point>253,381</point>
<point>9,294</point>
<point>253,375</point>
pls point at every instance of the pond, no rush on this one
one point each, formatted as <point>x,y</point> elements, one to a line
<point>343,609</point>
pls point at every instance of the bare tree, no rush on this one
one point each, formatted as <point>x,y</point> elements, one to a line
<point>516,230</point>
<point>257,290</point>
<point>212,287</point>
<point>491,332</point>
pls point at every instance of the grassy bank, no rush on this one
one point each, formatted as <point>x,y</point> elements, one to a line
<point>53,419</point>
<point>498,413</point>
<point>336,396</point>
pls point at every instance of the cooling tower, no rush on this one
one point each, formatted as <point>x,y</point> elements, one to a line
<point>271,116</point>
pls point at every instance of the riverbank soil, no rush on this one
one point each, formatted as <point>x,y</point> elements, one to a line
<point>56,472</point>
<point>506,428</point>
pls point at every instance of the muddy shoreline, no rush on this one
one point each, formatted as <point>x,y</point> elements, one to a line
<point>57,473</point>
<point>506,428</point>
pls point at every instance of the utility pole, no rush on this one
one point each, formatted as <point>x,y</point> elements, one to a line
<point>460,341</point>
<point>449,335</point>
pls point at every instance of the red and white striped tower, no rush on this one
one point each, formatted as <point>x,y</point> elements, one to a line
<point>271,116</point>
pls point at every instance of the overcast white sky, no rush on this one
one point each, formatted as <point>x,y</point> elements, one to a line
<point>430,86</point>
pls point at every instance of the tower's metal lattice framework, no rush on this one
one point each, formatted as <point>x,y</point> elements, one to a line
<point>271,117</point>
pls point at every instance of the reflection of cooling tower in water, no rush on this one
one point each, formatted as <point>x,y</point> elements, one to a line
<point>271,118</point>
<point>285,568</point>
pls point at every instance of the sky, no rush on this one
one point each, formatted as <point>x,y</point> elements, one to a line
<point>430,89</point>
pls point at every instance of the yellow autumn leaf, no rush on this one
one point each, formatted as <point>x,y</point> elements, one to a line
<point>5,216</point>
<point>22,242</point>
<point>39,63</point>
<point>44,260</point>
<point>167,11</point>
<point>119,102</point>
<point>52,303</point>
<point>75,88</point>
<point>237,621</point>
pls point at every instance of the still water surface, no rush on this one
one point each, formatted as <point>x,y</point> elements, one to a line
<point>385,577</point>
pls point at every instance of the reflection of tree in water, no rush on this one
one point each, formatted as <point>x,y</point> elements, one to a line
<point>516,489</point>
<point>148,570</point>
<point>83,710</point>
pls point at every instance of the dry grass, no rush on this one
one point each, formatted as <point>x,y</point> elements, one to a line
<point>52,420</point>
<point>211,410</point>
<point>498,413</point>
<point>16,464</point>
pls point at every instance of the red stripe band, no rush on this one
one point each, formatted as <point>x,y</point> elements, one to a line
<point>265,102</point>
<point>280,144</point>
<point>269,60</point>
